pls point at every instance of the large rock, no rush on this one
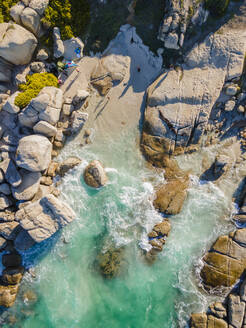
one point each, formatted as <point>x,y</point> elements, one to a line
<point>226,260</point>
<point>29,186</point>
<point>16,44</point>
<point>34,153</point>
<point>31,20</point>
<point>51,113</point>
<point>180,101</point>
<point>43,218</point>
<point>95,175</point>
<point>198,320</point>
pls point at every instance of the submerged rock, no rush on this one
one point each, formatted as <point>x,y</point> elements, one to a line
<point>112,262</point>
<point>95,175</point>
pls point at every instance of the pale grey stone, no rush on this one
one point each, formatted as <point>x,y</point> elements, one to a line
<point>171,41</point>
<point>43,218</point>
<point>58,43</point>
<point>10,106</point>
<point>28,117</point>
<point>44,128</point>
<point>80,96</point>
<point>39,5</point>
<point>29,186</point>
<point>38,67</point>
<point>34,153</point>
<point>16,44</point>
<point>78,120</point>
<point>31,20</point>
<point>16,10</point>
<point>42,54</point>
<point>70,46</point>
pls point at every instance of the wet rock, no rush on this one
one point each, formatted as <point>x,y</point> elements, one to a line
<point>13,276</point>
<point>171,41</point>
<point>41,219</point>
<point>112,262</point>
<point>16,44</point>
<point>163,228</point>
<point>236,310</point>
<point>95,175</point>
<point>8,295</point>
<point>29,186</point>
<point>34,153</point>
<point>68,164</point>
<point>41,102</point>
<point>198,320</point>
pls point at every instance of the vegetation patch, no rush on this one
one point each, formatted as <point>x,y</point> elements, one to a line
<point>217,8</point>
<point>34,84</point>
<point>71,16</point>
<point>5,6</point>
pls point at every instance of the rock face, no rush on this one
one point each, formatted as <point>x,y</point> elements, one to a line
<point>16,44</point>
<point>43,218</point>
<point>226,260</point>
<point>180,101</point>
<point>34,153</point>
<point>95,175</point>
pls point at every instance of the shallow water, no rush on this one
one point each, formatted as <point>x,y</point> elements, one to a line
<point>70,290</point>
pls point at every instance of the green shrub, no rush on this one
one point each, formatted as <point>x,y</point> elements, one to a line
<point>217,7</point>
<point>71,16</point>
<point>34,84</point>
<point>5,6</point>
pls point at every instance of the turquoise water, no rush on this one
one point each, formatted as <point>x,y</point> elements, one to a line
<point>71,291</point>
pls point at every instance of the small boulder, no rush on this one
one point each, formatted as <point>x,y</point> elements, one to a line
<point>29,186</point>
<point>10,106</point>
<point>44,128</point>
<point>42,55</point>
<point>31,20</point>
<point>67,165</point>
<point>163,228</point>
<point>232,90</point>
<point>95,175</point>
<point>70,48</point>
<point>80,96</point>
<point>34,153</point>
<point>78,120</point>
<point>16,10</point>
<point>9,230</point>
<point>58,43</point>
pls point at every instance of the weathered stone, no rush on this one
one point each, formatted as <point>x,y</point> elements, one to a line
<point>181,100</point>
<point>198,320</point>
<point>37,67</point>
<point>39,5</point>
<point>5,202</point>
<point>29,186</point>
<point>218,310</point>
<point>214,322</point>
<point>9,230</point>
<point>236,310</point>
<point>8,295</point>
<point>13,276</point>
<point>78,120</point>
<point>95,175</point>
<point>45,129</point>
<point>171,41</point>
<point>34,153</point>
<point>44,217</point>
<point>163,228</point>
<point>156,244</point>
<point>80,96</point>
<point>41,102</point>
<point>67,165</point>
<point>31,20</point>
<point>10,106</point>
<point>16,10</point>
<point>16,44</point>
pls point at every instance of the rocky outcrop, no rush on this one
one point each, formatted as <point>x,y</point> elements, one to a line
<point>41,219</point>
<point>34,153</point>
<point>95,175</point>
<point>109,70</point>
<point>157,237</point>
<point>16,44</point>
<point>180,101</point>
<point>230,313</point>
<point>112,263</point>
<point>226,261</point>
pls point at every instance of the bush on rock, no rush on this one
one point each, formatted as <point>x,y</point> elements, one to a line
<point>217,7</point>
<point>5,6</point>
<point>34,84</point>
<point>71,16</point>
